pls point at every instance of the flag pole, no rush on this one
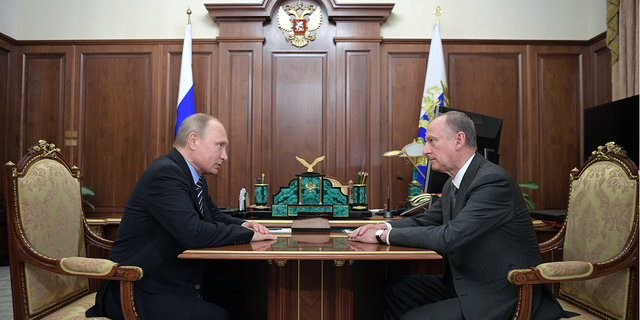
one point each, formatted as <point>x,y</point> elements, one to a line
<point>438,13</point>
<point>186,104</point>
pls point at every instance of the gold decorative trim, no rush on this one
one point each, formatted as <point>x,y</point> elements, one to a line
<point>98,230</point>
<point>307,252</point>
<point>358,222</point>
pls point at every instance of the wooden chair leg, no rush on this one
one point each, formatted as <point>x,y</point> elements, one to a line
<point>126,300</point>
<point>523,307</point>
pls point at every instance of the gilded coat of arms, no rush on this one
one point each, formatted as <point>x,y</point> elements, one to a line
<point>297,30</point>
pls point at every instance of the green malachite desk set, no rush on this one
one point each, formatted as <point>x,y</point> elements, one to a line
<point>312,194</point>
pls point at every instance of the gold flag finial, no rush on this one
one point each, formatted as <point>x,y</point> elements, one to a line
<point>189,14</point>
<point>438,13</point>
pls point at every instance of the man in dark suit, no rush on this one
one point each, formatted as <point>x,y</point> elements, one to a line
<point>163,217</point>
<point>481,225</point>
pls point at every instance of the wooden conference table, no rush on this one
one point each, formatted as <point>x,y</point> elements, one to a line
<point>314,275</point>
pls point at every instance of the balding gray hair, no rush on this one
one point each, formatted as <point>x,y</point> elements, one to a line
<point>457,121</point>
<point>198,123</point>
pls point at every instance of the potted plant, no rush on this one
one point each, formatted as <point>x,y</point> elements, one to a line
<point>88,192</point>
<point>529,185</point>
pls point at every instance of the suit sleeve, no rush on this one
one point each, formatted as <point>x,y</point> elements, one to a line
<point>169,202</point>
<point>430,217</point>
<point>489,203</point>
<point>217,215</point>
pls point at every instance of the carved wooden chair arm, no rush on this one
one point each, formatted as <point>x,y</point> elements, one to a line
<point>554,243</point>
<point>106,269</point>
<point>562,271</point>
<point>551,272</point>
<point>93,239</point>
<point>99,269</point>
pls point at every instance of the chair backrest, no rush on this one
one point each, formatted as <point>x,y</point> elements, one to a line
<point>44,201</point>
<point>601,223</point>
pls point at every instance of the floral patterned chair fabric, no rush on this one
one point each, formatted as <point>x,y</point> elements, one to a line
<point>599,238</point>
<point>48,235</point>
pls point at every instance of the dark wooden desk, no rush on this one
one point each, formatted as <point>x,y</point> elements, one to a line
<point>315,275</point>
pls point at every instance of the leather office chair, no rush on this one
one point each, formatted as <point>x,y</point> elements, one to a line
<point>48,234</point>
<point>599,239</point>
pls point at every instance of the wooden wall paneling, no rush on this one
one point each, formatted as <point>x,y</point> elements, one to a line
<point>404,66</point>
<point>358,82</point>
<point>6,54</point>
<point>5,67</point>
<point>557,95</point>
<point>239,102</point>
<point>317,119</point>
<point>599,73</point>
<point>47,107</point>
<point>299,109</point>
<point>601,81</point>
<point>598,85</point>
<point>297,106</point>
<point>117,107</point>
<point>10,50</point>
<point>488,80</point>
<point>298,114</point>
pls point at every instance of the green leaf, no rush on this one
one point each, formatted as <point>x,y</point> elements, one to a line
<point>529,202</point>
<point>529,185</point>
<point>89,203</point>
<point>87,192</point>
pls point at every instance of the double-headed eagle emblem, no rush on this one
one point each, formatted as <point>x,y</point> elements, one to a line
<point>297,30</point>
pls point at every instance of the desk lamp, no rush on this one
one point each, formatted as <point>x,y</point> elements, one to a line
<point>413,152</point>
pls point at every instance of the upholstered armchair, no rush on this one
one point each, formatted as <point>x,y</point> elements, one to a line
<point>48,234</point>
<point>598,277</point>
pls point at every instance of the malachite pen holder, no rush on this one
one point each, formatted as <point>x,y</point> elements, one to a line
<point>359,197</point>
<point>261,195</point>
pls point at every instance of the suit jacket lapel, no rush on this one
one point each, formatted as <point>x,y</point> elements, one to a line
<point>468,177</point>
<point>182,163</point>
<point>205,208</point>
<point>446,201</point>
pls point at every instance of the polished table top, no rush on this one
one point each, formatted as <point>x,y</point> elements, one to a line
<point>330,245</point>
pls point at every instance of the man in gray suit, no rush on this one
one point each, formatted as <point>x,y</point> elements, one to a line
<point>482,227</point>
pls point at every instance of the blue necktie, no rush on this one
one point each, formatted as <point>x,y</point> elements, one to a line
<point>454,194</point>
<point>200,194</point>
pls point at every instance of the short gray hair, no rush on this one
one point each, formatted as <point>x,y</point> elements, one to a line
<point>198,123</point>
<point>457,121</point>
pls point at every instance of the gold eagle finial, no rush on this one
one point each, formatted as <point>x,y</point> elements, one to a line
<point>309,166</point>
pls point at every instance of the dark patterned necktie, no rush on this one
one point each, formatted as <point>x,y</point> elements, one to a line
<point>200,193</point>
<point>454,194</point>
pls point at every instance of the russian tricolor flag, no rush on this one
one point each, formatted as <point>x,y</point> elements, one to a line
<point>186,104</point>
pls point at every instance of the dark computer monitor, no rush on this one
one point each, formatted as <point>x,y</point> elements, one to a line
<point>614,121</point>
<point>488,130</point>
